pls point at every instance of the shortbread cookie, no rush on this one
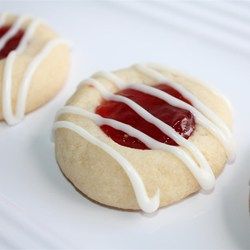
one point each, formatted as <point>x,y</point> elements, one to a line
<point>143,137</point>
<point>34,65</point>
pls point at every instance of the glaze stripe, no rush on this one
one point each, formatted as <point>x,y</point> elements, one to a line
<point>24,85</point>
<point>204,178</point>
<point>28,35</point>
<point>113,78</point>
<point>147,204</point>
<point>165,128</point>
<point>148,69</point>
<point>200,118</point>
<point>12,31</point>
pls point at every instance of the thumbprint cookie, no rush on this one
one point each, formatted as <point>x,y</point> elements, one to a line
<point>143,137</point>
<point>34,65</point>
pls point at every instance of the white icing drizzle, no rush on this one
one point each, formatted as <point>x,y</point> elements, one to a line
<point>204,178</point>
<point>25,84</point>
<point>8,115</point>
<point>154,74</point>
<point>12,31</point>
<point>28,35</point>
<point>203,173</point>
<point>224,138</point>
<point>148,205</point>
<point>165,128</point>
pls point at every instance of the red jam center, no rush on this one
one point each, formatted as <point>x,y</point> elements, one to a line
<point>181,120</point>
<point>12,43</point>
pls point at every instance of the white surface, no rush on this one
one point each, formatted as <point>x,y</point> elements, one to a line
<point>209,40</point>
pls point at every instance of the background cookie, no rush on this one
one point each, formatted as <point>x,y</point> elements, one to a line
<point>43,55</point>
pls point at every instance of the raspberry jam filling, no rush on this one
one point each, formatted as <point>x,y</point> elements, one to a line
<point>12,43</point>
<point>180,119</point>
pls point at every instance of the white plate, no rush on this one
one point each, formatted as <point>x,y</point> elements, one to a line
<point>40,209</point>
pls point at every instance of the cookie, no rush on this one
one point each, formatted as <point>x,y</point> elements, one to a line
<point>34,65</point>
<point>143,137</point>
